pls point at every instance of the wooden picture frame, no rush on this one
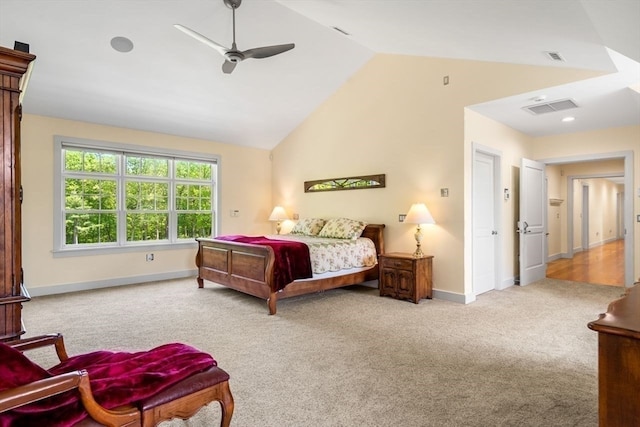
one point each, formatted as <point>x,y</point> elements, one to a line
<point>360,182</point>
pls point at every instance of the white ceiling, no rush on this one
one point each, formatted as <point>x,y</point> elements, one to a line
<point>172,84</point>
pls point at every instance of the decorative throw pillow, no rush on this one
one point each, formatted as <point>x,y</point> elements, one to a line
<point>342,228</point>
<point>308,226</point>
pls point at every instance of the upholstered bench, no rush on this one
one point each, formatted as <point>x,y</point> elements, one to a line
<point>184,388</point>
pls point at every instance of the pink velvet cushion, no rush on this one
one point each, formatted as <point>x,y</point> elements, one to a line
<point>117,378</point>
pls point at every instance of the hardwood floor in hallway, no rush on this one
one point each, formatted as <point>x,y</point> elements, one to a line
<point>603,265</point>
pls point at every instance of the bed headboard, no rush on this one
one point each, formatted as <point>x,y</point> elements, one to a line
<point>374,232</point>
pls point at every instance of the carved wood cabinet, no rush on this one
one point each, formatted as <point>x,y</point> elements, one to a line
<point>13,65</point>
<point>404,277</point>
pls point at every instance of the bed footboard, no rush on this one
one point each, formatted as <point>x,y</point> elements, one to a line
<point>245,267</point>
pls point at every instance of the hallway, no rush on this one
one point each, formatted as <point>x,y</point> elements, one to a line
<point>602,265</point>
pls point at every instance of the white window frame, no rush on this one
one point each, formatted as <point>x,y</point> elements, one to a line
<point>60,249</point>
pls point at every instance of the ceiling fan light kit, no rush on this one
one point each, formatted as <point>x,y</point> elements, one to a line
<point>233,56</point>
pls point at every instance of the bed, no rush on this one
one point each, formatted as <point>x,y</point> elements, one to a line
<point>250,268</point>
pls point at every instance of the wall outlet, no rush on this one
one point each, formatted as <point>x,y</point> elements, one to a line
<point>296,216</point>
<point>234,213</point>
<point>150,257</point>
<point>401,217</point>
<point>444,192</point>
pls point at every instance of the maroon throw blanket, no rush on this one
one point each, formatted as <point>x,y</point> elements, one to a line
<point>117,378</point>
<point>292,259</point>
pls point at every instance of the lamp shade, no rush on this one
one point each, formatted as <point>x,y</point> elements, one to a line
<point>278,214</point>
<point>419,214</point>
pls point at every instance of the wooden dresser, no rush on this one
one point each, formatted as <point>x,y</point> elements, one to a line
<point>13,65</point>
<point>619,361</point>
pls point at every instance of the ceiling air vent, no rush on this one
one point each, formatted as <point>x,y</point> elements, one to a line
<point>550,107</point>
<point>555,56</point>
<point>340,30</point>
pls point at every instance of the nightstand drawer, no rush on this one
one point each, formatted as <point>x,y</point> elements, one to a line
<point>402,264</point>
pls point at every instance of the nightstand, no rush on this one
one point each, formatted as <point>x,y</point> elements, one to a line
<point>404,277</point>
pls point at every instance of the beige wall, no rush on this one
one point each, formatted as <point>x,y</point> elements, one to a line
<point>245,177</point>
<point>556,212</point>
<point>396,117</point>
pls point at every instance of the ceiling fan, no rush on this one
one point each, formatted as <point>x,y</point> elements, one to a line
<point>233,56</point>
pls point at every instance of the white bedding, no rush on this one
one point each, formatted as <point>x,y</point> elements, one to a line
<point>333,255</point>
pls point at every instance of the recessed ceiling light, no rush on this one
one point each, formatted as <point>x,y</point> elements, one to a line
<point>539,98</point>
<point>122,44</point>
<point>568,119</point>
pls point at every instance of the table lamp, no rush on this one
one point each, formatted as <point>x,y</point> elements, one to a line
<point>278,214</point>
<point>419,214</point>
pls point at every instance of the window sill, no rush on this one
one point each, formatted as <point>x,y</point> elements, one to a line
<point>111,250</point>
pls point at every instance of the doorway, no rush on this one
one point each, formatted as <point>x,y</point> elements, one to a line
<point>620,226</point>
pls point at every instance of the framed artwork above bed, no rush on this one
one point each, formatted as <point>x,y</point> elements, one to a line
<point>360,182</point>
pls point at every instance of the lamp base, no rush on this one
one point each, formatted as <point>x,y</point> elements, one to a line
<point>418,236</point>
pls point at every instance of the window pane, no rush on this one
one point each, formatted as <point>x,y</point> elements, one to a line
<point>192,225</point>
<point>190,197</point>
<point>147,226</point>
<point>88,228</point>
<point>147,166</point>
<point>90,194</point>
<point>147,195</point>
<point>186,169</point>
<point>89,161</point>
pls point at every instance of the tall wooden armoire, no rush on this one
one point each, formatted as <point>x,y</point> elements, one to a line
<point>13,65</point>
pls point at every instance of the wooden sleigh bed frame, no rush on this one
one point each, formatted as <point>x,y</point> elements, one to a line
<point>248,268</point>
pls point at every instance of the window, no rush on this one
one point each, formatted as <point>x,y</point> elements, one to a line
<point>116,196</point>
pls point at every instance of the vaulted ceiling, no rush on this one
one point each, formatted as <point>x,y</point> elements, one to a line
<point>171,83</point>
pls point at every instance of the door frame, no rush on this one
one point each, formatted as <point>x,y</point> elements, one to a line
<point>497,211</point>
<point>584,212</point>
<point>628,202</point>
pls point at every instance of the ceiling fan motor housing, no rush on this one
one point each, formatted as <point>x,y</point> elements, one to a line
<point>232,4</point>
<point>234,56</point>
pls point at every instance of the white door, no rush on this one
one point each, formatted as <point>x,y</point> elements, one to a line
<point>484,228</point>
<point>532,225</point>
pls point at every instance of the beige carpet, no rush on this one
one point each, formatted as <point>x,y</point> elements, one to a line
<point>519,357</point>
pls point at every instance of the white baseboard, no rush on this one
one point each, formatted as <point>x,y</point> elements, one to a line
<point>454,296</point>
<point>98,284</point>
<point>556,257</point>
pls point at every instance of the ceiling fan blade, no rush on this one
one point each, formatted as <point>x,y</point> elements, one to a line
<point>228,67</point>
<point>196,35</point>
<point>267,51</point>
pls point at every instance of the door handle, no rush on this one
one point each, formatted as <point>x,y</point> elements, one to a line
<point>525,226</point>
